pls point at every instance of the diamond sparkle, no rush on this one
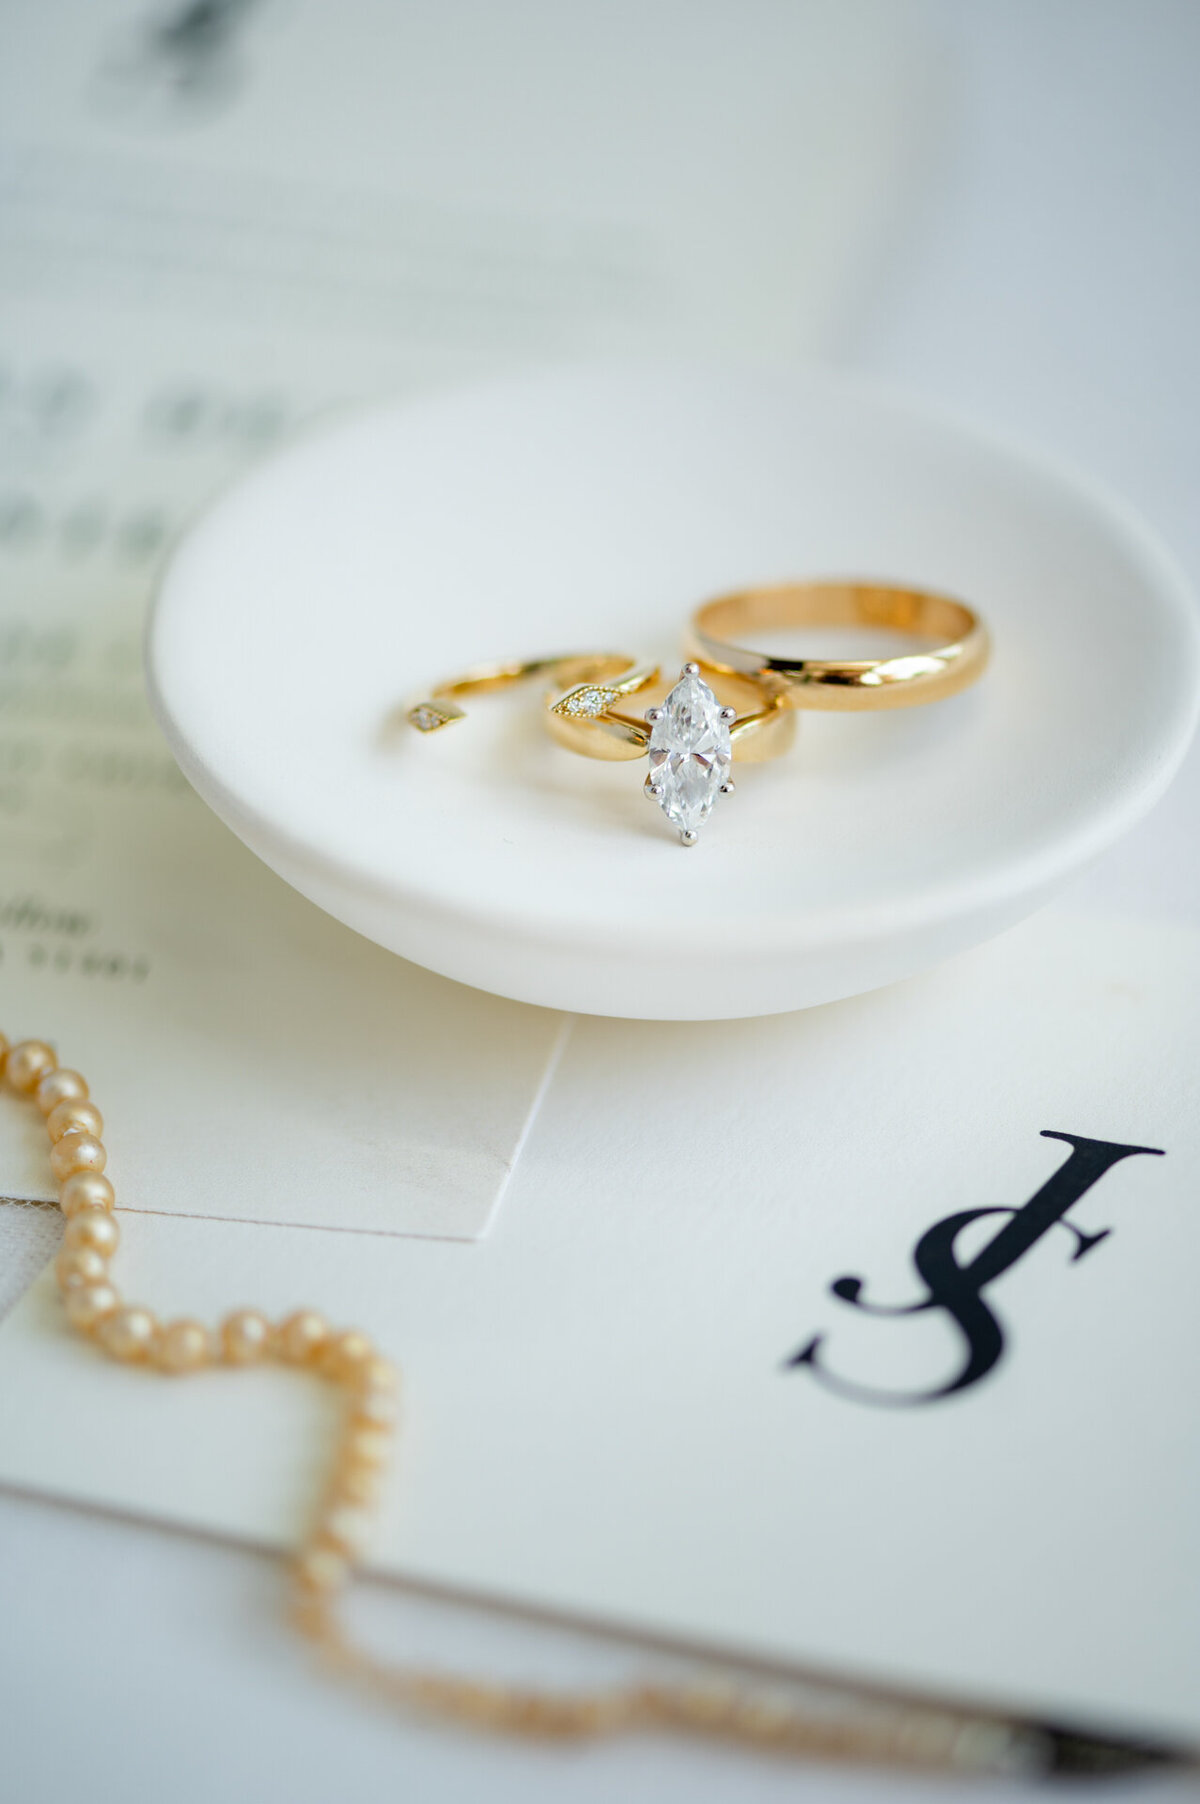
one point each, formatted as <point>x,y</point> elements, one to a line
<point>690,755</point>
<point>586,702</point>
<point>427,717</point>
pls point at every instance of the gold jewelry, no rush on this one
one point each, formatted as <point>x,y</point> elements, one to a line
<point>601,678</point>
<point>959,653</point>
<point>691,740</point>
<point>133,1334</point>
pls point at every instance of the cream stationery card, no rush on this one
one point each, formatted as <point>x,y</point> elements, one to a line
<point>861,1340</point>
<point>263,1063</point>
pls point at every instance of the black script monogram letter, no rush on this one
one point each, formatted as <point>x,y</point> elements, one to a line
<point>958,1289</point>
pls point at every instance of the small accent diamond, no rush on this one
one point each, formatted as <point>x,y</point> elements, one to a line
<point>586,702</point>
<point>427,718</point>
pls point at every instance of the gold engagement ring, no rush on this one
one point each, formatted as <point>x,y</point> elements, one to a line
<point>691,739</point>
<point>600,678</point>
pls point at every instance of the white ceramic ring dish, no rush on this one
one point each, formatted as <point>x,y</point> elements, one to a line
<point>594,508</point>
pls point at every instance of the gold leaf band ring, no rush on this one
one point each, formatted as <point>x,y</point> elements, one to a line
<point>601,679</point>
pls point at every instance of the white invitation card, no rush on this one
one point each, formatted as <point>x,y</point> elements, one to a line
<point>861,1341</point>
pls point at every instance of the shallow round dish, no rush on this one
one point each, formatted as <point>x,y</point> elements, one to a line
<point>594,508</point>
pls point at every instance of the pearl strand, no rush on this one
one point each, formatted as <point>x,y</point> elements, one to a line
<point>132,1333</point>
<point>325,1562</point>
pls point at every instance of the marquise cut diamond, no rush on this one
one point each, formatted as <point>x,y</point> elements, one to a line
<point>690,754</point>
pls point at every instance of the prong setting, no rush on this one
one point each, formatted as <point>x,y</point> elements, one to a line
<point>729,715</point>
<point>690,754</point>
<point>728,787</point>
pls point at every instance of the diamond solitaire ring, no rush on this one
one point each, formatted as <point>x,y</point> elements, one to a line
<point>955,651</point>
<point>691,739</point>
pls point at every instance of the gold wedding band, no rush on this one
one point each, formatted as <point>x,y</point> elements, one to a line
<point>958,654</point>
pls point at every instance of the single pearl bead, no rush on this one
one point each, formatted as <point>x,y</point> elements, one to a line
<point>27,1062</point>
<point>377,1375</point>
<point>128,1333</point>
<point>82,1265</point>
<point>375,1392</point>
<point>365,1446</point>
<point>74,1114</point>
<point>379,1408</point>
<point>302,1336</point>
<point>321,1569</point>
<point>346,1354</point>
<point>245,1337</point>
<point>58,1086</point>
<point>90,1304</point>
<point>184,1346</point>
<point>92,1229</point>
<point>85,1190</point>
<point>347,1527</point>
<point>77,1152</point>
<point>357,1484</point>
<point>309,1612</point>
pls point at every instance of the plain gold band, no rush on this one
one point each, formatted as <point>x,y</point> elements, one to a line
<point>958,656</point>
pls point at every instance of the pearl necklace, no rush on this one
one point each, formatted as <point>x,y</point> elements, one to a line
<point>325,1563</point>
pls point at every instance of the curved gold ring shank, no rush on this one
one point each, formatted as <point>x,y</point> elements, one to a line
<point>956,657</point>
<point>763,731</point>
<point>608,675</point>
